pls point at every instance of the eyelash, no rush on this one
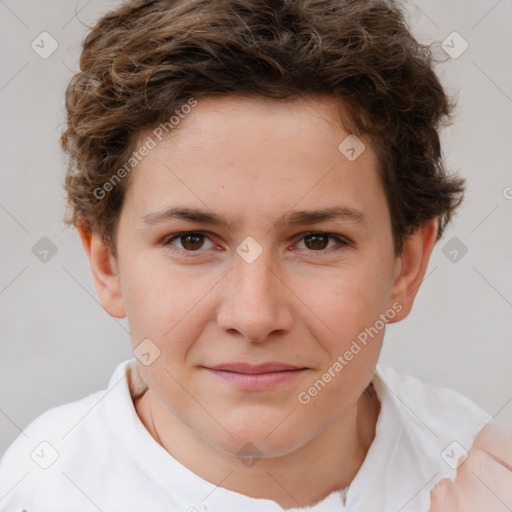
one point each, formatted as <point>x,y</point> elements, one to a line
<point>167,242</point>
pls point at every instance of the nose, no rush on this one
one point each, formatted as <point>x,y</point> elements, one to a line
<point>255,300</point>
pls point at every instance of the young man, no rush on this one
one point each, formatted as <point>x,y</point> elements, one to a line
<point>258,187</point>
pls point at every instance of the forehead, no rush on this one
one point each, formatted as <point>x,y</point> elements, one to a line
<point>233,154</point>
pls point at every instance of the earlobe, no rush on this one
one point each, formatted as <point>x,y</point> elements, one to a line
<point>105,272</point>
<point>411,266</point>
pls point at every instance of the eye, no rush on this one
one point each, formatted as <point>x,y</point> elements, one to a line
<point>191,241</point>
<point>317,241</point>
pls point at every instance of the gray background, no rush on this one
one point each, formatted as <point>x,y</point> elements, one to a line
<point>58,345</point>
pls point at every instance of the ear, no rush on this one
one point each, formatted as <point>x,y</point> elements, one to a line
<point>105,272</point>
<point>411,266</point>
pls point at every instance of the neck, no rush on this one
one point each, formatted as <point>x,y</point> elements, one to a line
<point>298,479</point>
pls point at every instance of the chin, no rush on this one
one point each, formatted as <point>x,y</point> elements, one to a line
<point>263,440</point>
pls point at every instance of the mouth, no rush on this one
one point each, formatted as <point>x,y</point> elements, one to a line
<point>257,377</point>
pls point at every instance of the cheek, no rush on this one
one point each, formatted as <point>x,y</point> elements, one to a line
<point>350,307</point>
<point>347,300</point>
<point>164,305</point>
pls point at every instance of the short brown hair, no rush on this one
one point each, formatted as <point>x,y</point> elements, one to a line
<point>145,59</point>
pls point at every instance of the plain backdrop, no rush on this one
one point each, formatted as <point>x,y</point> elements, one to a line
<point>58,344</point>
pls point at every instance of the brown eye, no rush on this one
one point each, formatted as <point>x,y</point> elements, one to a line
<point>189,241</point>
<point>316,241</point>
<point>192,241</point>
<point>319,241</point>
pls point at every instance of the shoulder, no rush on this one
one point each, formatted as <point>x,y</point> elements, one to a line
<point>58,438</point>
<point>439,421</point>
<point>441,404</point>
<point>52,425</point>
<point>32,464</point>
<point>441,432</point>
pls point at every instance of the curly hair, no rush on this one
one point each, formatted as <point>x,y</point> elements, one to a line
<point>141,62</point>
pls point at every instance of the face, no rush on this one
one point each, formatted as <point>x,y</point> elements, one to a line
<point>252,309</point>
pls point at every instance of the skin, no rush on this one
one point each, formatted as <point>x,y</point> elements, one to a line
<point>483,480</point>
<point>252,161</point>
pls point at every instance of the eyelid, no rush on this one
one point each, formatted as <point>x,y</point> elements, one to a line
<point>341,240</point>
<point>342,243</point>
<point>166,242</point>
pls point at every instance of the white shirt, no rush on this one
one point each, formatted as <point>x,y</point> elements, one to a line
<point>99,456</point>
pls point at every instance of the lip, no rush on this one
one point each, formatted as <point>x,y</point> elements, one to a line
<point>257,377</point>
<point>254,369</point>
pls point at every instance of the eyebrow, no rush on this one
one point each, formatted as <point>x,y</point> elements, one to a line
<point>294,217</point>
